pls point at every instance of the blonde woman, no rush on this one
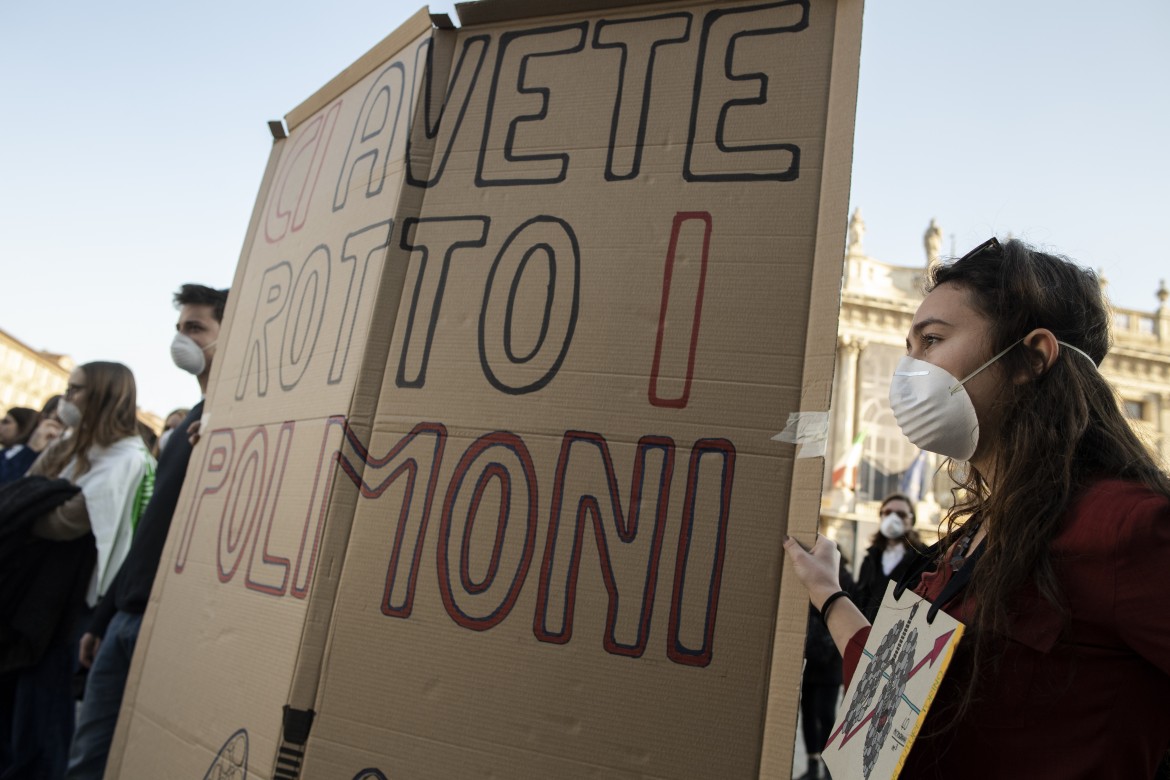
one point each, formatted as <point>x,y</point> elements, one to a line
<point>107,459</point>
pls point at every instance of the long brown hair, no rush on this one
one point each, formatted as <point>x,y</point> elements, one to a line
<point>110,415</point>
<point>1056,434</point>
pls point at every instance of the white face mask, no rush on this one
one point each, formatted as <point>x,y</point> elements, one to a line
<point>892,526</point>
<point>933,409</point>
<point>68,413</point>
<point>188,355</point>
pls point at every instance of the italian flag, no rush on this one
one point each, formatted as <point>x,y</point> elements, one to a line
<point>845,472</point>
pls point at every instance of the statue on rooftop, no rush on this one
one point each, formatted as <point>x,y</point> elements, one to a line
<point>933,242</point>
<point>856,233</point>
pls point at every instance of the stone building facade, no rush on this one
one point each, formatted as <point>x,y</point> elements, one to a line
<point>29,377</point>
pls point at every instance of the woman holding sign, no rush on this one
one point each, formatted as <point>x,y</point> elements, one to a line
<point>1057,559</point>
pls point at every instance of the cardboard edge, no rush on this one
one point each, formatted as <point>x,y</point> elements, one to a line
<point>129,697</point>
<point>413,27</point>
<point>312,662</point>
<point>492,11</point>
<point>820,361</point>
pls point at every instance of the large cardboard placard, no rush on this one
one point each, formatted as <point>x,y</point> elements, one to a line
<point>245,588</point>
<point>488,485</point>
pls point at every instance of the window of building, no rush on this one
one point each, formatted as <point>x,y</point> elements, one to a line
<point>1134,410</point>
<point>886,453</point>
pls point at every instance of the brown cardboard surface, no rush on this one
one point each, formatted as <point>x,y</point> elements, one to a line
<point>245,589</point>
<point>576,570</point>
<point>487,483</point>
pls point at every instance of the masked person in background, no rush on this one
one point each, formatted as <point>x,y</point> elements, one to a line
<point>820,687</point>
<point>107,459</point>
<point>108,646</point>
<point>1055,555</point>
<point>50,428</point>
<point>893,551</point>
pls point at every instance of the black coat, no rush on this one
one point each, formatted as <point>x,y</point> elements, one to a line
<point>42,582</point>
<point>871,582</point>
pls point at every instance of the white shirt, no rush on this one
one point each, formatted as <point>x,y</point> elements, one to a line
<point>892,556</point>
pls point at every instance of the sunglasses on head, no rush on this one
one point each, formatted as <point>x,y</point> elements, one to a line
<point>990,245</point>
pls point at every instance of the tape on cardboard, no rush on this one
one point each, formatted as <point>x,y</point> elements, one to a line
<point>808,431</point>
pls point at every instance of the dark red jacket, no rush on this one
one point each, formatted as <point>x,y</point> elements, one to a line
<point>1089,701</point>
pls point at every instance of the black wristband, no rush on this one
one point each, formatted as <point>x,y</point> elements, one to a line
<point>829,602</point>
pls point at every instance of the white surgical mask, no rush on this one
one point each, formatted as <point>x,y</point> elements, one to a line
<point>188,355</point>
<point>933,408</point>
<point>892,526</point>
<point>68,413</point>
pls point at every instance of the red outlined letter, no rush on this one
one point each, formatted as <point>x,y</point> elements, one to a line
<point>271,497</point>
<point>248,484</point>
<point>689,301</point>
<point>298,176</point>
<point>421,448</point>
<point>217,460</point>
<point>508,463</point>
<point>331,443</point>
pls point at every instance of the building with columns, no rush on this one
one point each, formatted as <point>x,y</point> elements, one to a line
<point>29,377</point>
<point>878,301</point>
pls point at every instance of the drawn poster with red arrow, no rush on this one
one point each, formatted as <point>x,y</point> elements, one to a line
<point>903,663</point>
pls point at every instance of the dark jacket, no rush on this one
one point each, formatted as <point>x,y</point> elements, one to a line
<point>42,582</point>
<point>822,661</point>
<point>13,468</point>
<point>1078,698</point>
<point>871,581</point>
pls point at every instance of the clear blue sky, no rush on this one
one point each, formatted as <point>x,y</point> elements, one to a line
<point>134,139</point>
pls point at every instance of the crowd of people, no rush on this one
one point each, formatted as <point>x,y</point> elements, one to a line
<point>1053,554</point>
<point>87,492</point>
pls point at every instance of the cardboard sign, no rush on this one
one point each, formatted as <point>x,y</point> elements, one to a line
<point>904,661</point>
<point>488,484</point>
